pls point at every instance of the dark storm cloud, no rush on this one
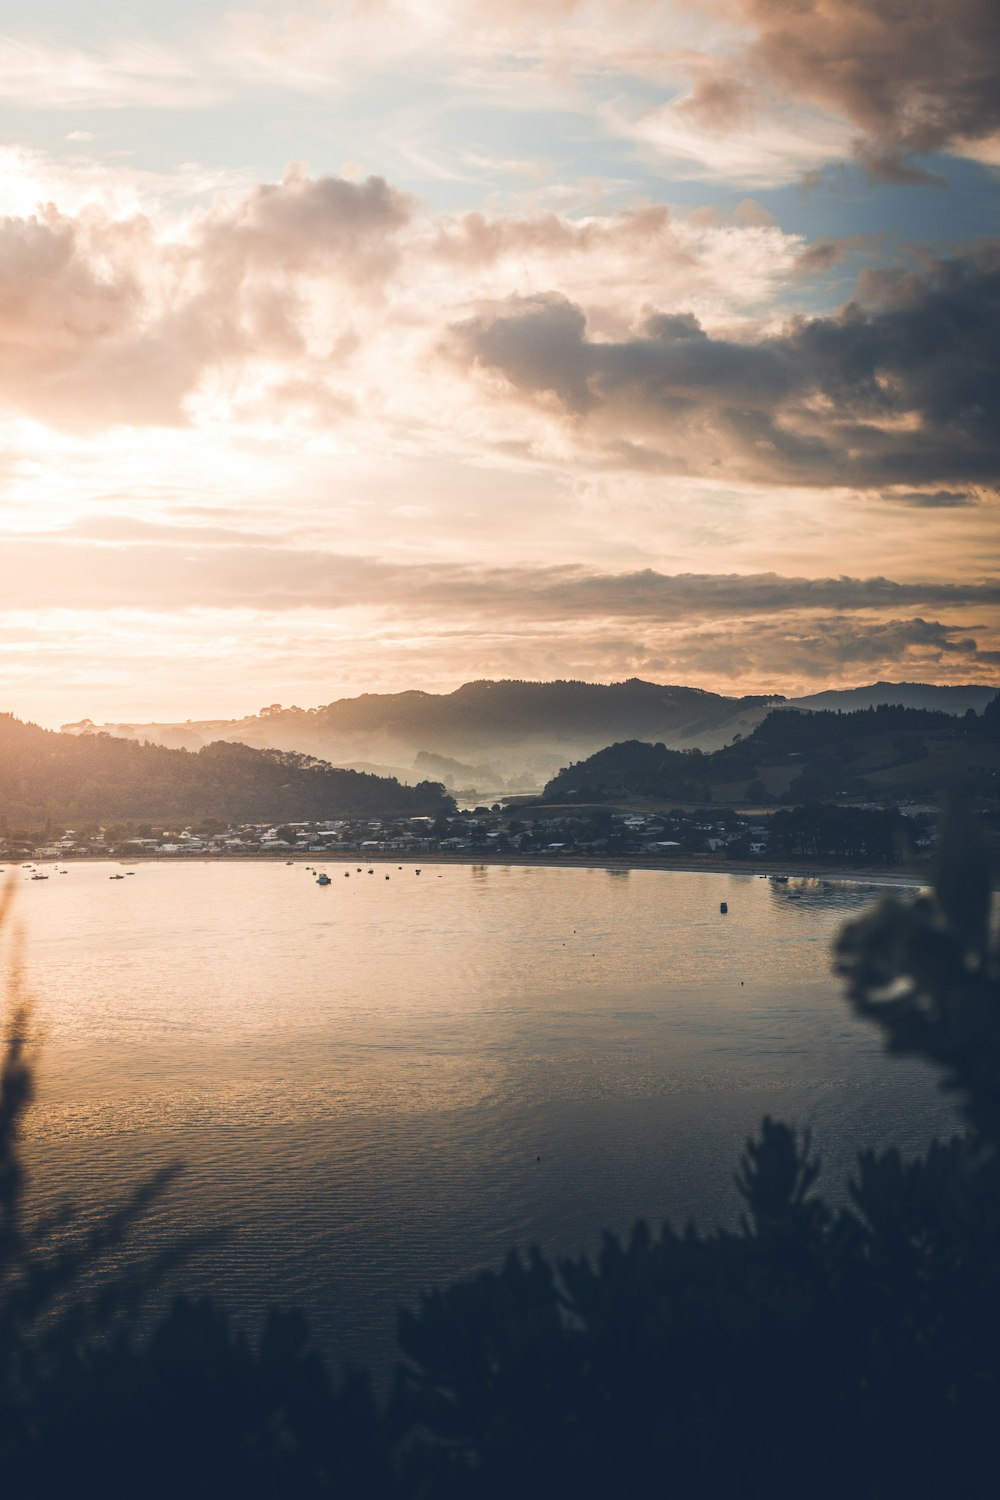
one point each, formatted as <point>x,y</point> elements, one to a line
<point>902,387</point>
<point>915,76</point>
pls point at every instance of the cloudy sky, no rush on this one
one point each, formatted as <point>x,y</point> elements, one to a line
<point>355,347</point>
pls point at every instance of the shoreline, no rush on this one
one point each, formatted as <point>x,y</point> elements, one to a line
<point>706,864</point>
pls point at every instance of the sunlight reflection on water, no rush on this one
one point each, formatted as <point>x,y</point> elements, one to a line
<point>361,1078</point>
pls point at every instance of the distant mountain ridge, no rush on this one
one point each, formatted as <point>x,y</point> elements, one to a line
<point>949,700</point>
<point>516,733</point>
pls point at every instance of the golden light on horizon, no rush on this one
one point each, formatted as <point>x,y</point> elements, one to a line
<point>368,403</point>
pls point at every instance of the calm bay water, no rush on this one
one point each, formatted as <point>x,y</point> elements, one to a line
<point>361,1079</point>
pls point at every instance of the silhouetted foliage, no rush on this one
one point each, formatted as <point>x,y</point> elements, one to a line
<point>816,1351</point>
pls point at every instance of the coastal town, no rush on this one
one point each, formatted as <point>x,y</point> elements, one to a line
<point>849,834</point>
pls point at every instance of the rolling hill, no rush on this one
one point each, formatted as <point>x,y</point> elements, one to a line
<point>48,778</point>
<point>513,735</point>
<point>794,756</point>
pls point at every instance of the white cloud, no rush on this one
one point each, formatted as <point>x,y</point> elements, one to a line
<point>38,74</point>
<point>763,151</point>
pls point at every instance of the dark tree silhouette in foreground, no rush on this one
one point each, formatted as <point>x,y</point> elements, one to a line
<point>817,1351</point>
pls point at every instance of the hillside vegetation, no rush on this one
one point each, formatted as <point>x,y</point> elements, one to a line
<point>883,753</point>
<point>58,779</point>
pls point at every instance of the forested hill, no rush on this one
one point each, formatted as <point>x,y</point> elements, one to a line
<point>882,752</point>
<point>52,778</point>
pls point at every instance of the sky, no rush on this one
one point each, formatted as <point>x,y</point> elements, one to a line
<point>362,347</point>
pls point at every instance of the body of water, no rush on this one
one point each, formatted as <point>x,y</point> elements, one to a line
<point>385,1083</point>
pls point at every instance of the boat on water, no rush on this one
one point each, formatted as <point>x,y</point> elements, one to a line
<point>323,879</point>
<point>723,907</point>
<point>39,877</point>
<point>116,877</point>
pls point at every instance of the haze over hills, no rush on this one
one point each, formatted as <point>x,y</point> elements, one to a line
<point>515,735</point>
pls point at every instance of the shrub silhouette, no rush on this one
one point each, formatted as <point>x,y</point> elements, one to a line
<point>816,1351</point>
